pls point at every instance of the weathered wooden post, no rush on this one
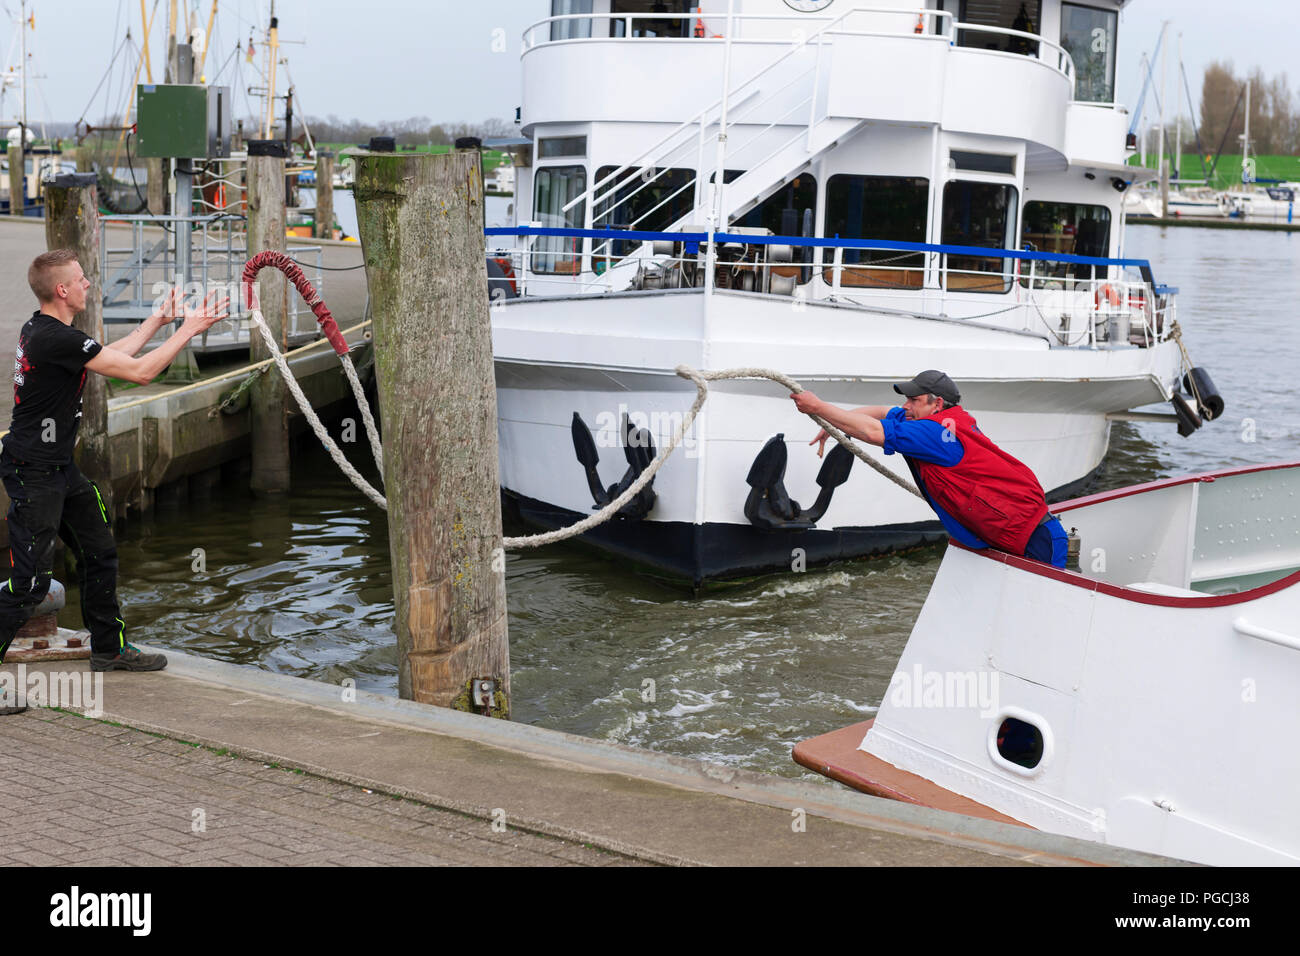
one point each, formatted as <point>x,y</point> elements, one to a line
<point>17,195</point>
<point>156,186</point>
<point>324,215</point>
<point>269,401</point>
<point>72,222</point>
<point>422,234</point>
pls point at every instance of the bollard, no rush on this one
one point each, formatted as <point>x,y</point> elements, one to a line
<point>72,222</point>
<point>422,235</point>
<point>323,218</point>
<point>270,398</point>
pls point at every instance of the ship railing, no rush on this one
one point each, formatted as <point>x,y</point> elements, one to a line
<point>136,274</point>
<point>581,27</point>
<point>694,133</point>
<point>1070,300</point>
<point>617,190</point>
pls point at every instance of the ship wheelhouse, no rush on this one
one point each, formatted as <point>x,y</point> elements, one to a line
<point>981,124</point>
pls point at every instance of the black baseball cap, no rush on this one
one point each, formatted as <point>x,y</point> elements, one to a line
<point>931,382</point>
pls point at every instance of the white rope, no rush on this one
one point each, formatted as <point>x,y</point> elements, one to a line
<point>376,449</point>
<point>310,413</point>
<point>701,380</point>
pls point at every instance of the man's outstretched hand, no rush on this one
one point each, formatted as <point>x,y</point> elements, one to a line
<point>212,311</point>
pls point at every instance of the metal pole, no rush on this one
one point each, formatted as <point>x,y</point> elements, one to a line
<point>715,203</point>
<point>1178,122</point>
<point>22,131</point>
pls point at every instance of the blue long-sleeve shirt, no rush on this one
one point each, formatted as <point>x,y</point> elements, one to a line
<point>928,441</point>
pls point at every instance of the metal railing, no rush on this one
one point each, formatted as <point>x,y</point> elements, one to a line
<point>933,23</point>
<point>609,194</point>
<point>1072,301</point>
<point>663,154</point>
<point>137,274</point>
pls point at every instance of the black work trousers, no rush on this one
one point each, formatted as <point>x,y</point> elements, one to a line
<point>49,500</point>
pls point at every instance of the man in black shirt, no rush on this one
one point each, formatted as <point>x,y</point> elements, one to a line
<point>47,494</point>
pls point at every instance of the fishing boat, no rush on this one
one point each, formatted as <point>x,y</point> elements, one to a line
<point>838,189</point>
<point>1144,699</point>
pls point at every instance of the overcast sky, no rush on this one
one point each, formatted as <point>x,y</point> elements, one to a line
<point>392,59</point>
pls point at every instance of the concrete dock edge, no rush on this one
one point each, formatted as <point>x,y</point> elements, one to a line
<point>172,710</point>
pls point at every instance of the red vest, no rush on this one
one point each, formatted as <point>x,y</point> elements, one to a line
<point>992,494</point>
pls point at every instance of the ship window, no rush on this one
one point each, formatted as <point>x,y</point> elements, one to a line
<point>1088,35</point>
<point>553,147</point>
<point>893,208</point>
<point>1072,228</point>
<point>1020,743</point>
<point>1022,15</point>
<point>983,162</point>
<point>652,206</point>
<point>788,212</point>
<point>570,29</point>
<point>657,27</point>
<point>978,214</point>
<point>554,187</point>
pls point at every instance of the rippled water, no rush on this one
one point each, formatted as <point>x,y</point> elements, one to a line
<point>302,586</point>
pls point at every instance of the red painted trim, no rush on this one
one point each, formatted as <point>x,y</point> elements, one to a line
<point>1075,579</point>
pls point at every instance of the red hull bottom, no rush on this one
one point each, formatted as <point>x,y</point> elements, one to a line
<point>836,755</point>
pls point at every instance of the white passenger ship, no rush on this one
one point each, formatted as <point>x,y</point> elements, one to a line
<point>904,186</point>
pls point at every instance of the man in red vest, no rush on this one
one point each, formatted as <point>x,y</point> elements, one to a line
<point>983,496</point>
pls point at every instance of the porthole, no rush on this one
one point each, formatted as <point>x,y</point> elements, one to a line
<point>1020,742</point>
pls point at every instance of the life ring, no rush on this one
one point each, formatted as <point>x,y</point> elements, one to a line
<point>1109,293</point>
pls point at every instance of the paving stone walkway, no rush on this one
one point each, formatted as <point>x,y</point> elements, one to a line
<point>172,803</point>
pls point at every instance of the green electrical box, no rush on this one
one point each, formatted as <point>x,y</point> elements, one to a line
<point>182,121</point>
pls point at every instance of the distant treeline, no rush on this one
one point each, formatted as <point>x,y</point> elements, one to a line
<point>1274,116</point>
<point>416,131</point>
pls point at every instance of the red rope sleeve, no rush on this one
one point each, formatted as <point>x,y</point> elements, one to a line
<point>300,282</point>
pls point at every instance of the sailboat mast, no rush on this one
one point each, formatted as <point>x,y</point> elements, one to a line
<point>1178,120</point>
<point>272,46</point>
<point>1245,139</point>
<point>23,77</point>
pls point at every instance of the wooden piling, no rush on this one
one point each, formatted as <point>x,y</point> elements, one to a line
<point>324,215</point>
<point>72,222</point>
<point>156,186</point>
<point>16,192</point>
<point>422,234</point>
<point>269,401</point>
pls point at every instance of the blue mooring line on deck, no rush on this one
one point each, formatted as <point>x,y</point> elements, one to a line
<point>693,238</point>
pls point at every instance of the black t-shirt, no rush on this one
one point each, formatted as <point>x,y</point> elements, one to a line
<point>49,375</point>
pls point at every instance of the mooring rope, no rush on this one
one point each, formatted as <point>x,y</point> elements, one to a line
<point>330,328</point>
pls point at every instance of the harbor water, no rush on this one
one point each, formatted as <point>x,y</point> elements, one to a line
<point>302,585</point>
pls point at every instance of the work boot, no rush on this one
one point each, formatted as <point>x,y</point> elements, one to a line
<point>129,659</point>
